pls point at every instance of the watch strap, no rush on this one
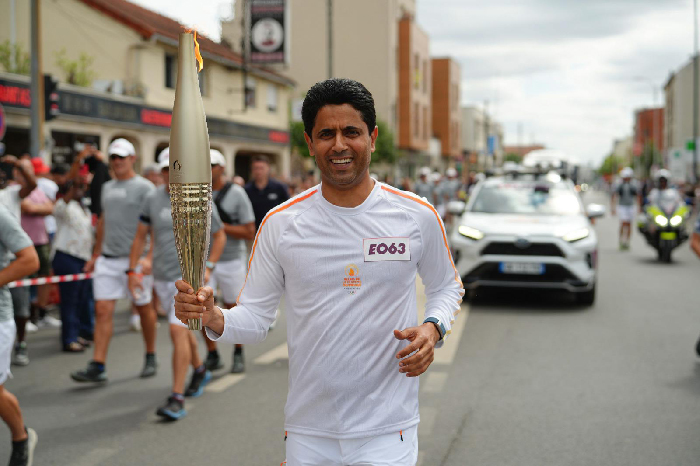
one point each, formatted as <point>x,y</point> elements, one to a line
<point>440,327</point>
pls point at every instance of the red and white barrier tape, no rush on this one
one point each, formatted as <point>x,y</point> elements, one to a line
<point>54,279</point>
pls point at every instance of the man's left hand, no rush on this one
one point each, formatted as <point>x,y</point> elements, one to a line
<point>423,339</point>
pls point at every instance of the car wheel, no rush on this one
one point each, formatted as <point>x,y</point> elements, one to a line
<point>586,298</point>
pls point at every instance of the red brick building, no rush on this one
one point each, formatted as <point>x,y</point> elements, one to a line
<point>648,129</point>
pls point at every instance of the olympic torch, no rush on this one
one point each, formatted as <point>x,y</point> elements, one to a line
<point>190,169</point>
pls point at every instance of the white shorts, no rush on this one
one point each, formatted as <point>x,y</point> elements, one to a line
<point>229,276</point>
<point>166,292</point>
<point>381,450</point>
<point>110,282</point>
<point>7,340</point>
<point>626,213</point>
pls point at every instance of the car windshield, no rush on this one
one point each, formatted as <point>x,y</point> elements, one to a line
<point>527,198</point>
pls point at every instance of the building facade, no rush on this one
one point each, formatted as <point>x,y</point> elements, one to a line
<point>482,139</point>
<point>134,59</point>
<point>678,122</point>
<point>370,57</point>
<point>447,115</point>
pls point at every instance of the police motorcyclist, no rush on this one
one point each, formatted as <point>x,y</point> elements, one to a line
<point>663,193</point>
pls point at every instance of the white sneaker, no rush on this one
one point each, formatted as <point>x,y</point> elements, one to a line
<point>49,321</point>
<point>135,323</point>
<point>30,327</point>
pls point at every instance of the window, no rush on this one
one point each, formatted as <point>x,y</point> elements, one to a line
<point>170,71</point>
<point>425,76</point>
<point>271,97</point>
<point>416,124</point>
<point>250,85</point>
<point>416,73</point>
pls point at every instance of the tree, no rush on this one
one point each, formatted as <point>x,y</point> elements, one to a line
<point>78,71</point>
<point>611,165</point>
<point>513,158</point>
<point>14,59</point>
<point>385,151</point>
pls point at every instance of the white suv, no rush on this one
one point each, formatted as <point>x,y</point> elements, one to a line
<point>527,231</point>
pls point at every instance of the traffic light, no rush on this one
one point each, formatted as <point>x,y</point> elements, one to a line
<point>50,98</point>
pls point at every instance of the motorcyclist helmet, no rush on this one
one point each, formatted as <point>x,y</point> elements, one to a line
<point>662,174</point>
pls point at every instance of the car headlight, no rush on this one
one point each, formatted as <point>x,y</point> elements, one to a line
<point>576,235</point>
<point>661,220</point>
<point>676,220</point>
<point>469,232</point>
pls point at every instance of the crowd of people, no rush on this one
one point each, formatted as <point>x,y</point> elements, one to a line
<point>99,216</point>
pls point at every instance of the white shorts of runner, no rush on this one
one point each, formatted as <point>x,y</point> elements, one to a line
<point>229,276</point>
<point>626,213</point>
<point>166,292</point>
<point>7,338</point>
<point>394,449</point>
<point>109,281</point>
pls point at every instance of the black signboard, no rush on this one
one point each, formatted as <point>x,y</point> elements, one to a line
<point>267,35</point>
<point>14,94</point>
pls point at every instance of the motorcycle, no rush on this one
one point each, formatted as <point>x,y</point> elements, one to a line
<point>664,226</point>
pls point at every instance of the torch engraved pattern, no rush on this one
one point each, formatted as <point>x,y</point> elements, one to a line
<point>191,212</point>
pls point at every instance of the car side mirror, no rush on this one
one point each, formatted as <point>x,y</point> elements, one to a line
<point>456,207</point>
<point>595,210</point>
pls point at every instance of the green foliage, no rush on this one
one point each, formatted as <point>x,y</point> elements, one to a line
<point>298,141</point>
<point>611,165</point>
<point>513,158</point>
<point>385,151</point>
<point>78,71</point>
<point>14,59</point>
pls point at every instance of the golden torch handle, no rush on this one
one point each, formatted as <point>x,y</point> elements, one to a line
<point>191,212</point>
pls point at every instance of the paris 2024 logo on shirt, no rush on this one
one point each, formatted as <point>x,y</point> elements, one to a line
<point>352,282</point>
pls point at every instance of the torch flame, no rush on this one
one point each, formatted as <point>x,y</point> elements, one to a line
<point>200,63</point>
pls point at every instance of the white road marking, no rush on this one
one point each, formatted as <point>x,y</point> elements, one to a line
<point>224,383</point>
<point>428,416</point>
<point>95,457</point>
<point>279,352</point>
<point>434,382</point>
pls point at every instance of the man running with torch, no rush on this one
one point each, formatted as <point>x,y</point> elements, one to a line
<point>345,254</point>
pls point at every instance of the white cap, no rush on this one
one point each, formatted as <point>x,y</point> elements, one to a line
<point>121,147</point>
<point>627,172</point>
<point>217,158</point>
<point>425,171</point>
<point>451,172</point>
<point>663,173</point>
<point>164,158</point>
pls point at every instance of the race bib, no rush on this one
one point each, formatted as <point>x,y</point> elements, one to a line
<point>386,249</point>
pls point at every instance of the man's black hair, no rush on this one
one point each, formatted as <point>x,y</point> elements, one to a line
<point>338,91</point>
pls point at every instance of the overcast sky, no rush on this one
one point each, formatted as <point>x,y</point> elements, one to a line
<point>568,72</point>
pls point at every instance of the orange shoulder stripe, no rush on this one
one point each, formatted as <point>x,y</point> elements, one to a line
<point>269,214</point>
<point>437,216</point>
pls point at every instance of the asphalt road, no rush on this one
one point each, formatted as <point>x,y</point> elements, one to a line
<point>527,378</point>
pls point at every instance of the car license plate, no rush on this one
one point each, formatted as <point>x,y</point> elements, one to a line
<point>668,235</point>
<point>522,268</point>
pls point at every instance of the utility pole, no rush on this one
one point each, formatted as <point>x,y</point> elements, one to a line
<point>330,38</point>
<point>13,35</point>
<point>695,92</point>
<point>37,85</point>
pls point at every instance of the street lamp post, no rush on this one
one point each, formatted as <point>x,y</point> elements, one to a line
<point>695,92</point>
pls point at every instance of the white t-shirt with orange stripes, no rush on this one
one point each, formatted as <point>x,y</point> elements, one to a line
<point>349,278</point>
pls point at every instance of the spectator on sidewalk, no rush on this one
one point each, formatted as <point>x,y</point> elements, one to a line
<point>72,249</point>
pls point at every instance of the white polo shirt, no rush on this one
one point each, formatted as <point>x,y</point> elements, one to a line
<point>349,277</point>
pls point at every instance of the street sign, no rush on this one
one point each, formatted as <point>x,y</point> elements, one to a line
<point>3,122</point>
<point>690,145</point>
